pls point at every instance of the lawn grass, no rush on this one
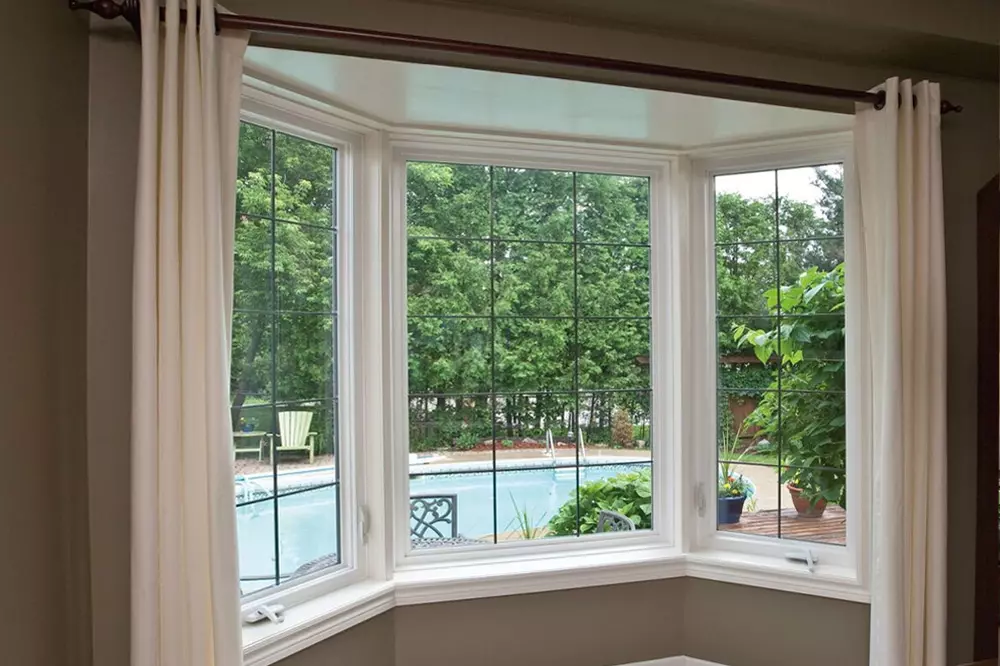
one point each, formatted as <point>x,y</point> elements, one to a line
<point>759,459</point>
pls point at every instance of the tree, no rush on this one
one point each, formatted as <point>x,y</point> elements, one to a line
<point>499,241</point>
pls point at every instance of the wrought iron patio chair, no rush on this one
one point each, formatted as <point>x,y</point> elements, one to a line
<point>612,521</point>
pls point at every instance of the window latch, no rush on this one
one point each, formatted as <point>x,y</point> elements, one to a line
<point>699,499</point>
<point>363,523</point>
<point>805,556</point>
<point>273,612</point>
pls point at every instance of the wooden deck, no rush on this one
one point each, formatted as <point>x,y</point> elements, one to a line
<point>831,527</point>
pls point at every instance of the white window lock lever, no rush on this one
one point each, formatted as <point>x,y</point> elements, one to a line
<point>806,556</point>
<point>273,612</point>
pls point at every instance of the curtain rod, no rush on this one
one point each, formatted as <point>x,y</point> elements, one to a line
<point>129,10</point>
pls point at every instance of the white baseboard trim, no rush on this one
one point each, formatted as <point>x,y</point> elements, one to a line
<point>675,661</point>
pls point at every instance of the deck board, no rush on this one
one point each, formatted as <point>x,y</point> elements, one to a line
<point>831,527</point>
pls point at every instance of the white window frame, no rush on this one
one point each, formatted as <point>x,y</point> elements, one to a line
<point>349,141</point>
<point>845,566</point>
<point>656,165</point>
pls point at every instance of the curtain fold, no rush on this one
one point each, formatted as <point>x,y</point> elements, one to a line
<point>185,592</point>
<point>899,205</point>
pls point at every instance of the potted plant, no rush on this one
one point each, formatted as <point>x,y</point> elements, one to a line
<point>733,493</point>
<point>734,489</point>
<point>803,410</point>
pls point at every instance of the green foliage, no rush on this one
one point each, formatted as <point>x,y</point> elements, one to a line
<point>747,268</point>
<point>628,493</point>
<point>527,527</point>
<point>463,218</point>
<point>731,452</point>
<point>806,417</point>
<point>282,270</point>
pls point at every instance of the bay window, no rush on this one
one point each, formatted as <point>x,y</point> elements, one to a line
<point>466,362</point>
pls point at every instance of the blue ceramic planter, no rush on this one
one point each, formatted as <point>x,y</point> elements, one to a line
<point>730,509</point>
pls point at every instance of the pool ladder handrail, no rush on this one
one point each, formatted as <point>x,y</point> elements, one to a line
<point>550,445</point>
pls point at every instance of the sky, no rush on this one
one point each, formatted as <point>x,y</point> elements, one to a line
<point>795,184</point>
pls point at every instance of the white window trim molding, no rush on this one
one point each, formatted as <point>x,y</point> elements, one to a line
<point>383,577</point>
<point>361,457</point>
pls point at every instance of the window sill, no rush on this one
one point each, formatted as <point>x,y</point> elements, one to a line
<point>834,582</point>
<point>491,577</point>
<point>419,583</point>
<point>312,621</point>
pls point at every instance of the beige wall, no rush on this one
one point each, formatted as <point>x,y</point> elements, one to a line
<point>589,627</point>
<point>43,189</point>
<point>970,159</point>
<point>367,644</point>
<point>115,77</point>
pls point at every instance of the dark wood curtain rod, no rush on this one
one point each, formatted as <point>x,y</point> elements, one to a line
<point>129,10</point>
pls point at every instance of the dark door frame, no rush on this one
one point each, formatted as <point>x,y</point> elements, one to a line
<point>988,419</point>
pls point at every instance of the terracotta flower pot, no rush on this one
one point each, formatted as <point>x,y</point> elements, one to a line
<point>802,504</point>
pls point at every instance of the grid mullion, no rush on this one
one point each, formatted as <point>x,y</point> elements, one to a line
<point>274,356</point>
<point>493,351</point>
<point>576,346</point>
<point>780,370</point>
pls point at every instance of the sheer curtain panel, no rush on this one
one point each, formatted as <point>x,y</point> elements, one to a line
<point>185,595</point>
<point>898,159</point>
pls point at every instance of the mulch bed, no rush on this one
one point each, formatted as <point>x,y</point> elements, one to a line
<point>523,443</point>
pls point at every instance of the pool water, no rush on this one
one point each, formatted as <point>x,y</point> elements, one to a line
<point>307,523</point>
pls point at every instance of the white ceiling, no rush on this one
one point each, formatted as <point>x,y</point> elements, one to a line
<point>454,98</point>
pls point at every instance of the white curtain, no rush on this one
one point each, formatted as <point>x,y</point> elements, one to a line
<point>898,167</point>
<point>185,592</point>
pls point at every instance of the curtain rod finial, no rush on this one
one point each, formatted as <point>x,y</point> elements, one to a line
<point>109,9</point>
<point>948,107</point>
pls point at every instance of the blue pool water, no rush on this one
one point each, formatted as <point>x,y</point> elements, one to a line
<point>307,524</point>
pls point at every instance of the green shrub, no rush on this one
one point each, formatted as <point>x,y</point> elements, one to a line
<point>628,493</point>
<point>466,440</point>
<point>804,412</point>
<point>621,428</point>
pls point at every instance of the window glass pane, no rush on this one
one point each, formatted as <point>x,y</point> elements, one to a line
<point>745,276</point>
<point>449,355</point>
<point>532,204</point>
<point>448,277</point>
<point>533,279</point>
<point>305,357</point>
<point>533,355</point>
<point>255,534</point>
<point>305,268</point>
<point>498,420</point>
<point>252,264</point>
<point>309,534</point>
<point>253,184</point>
<point>744,208</point>
<point>612,209</point>
<point>304,176</point>
<point>781,404</point>
<point>447,200</point>
<point>812,202</point>
<point>284,377</point>
<point>614,354</point>
<point>613,281</point>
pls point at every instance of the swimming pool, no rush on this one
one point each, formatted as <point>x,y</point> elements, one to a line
<point>307,523</point>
